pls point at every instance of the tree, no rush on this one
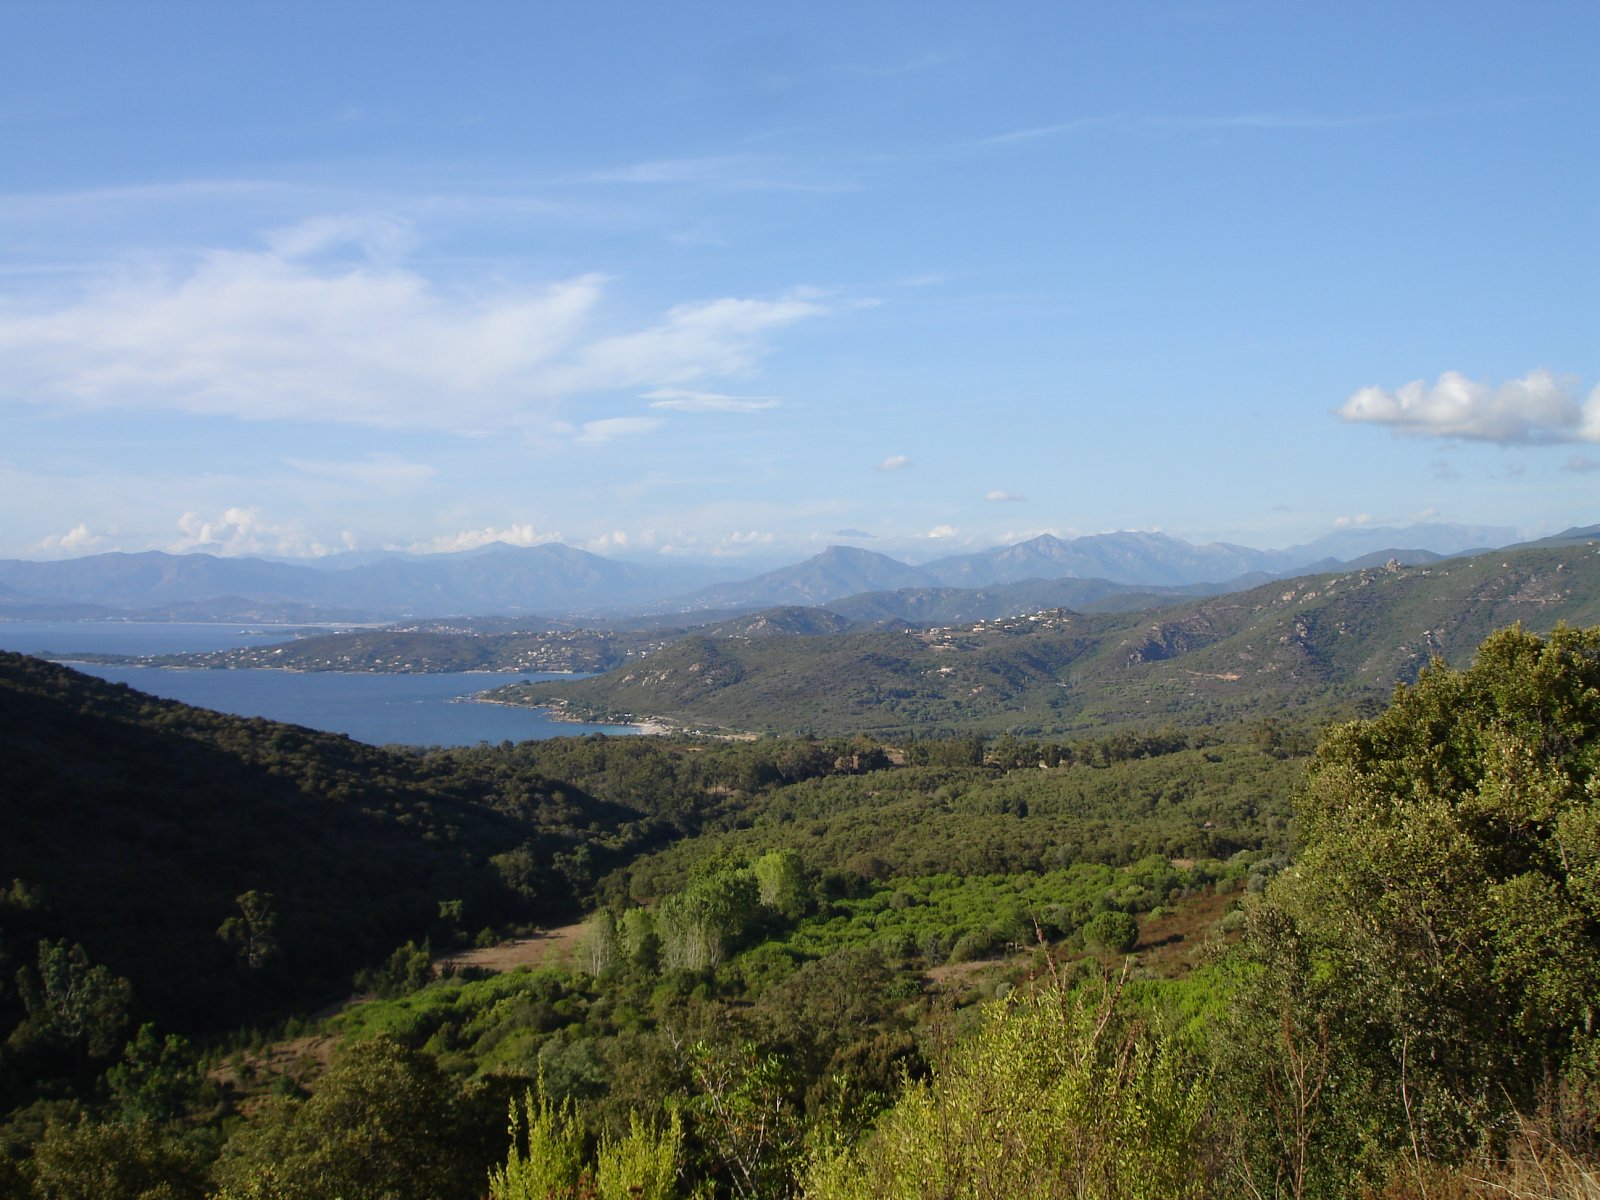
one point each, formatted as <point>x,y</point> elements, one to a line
<point>781,880</point>
<point>1055,1095</point>
<point>252,934</point>
<point>1112,932</point>
<point>73,1006</point>
<point>699,925</point>
<point>156,1079</point>
<point>116,1161</point>
<point>1446,892</point>
<point>383,1124</point>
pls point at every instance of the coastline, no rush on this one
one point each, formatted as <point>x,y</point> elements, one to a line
<point>556,711</point>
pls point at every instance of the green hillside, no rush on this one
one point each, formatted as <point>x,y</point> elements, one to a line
<point>1311,646</point>
<point>133,824</point>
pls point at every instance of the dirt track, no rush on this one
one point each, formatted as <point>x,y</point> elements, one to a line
<point>309,1055</point>
<point>520,952</point>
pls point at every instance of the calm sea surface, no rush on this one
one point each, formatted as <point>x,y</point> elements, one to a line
<point>418,710</point>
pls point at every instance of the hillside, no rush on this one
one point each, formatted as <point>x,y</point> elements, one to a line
<point>133,824</point>
<point>1314,644</point>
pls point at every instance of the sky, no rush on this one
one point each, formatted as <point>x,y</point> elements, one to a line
<point>735,282</point>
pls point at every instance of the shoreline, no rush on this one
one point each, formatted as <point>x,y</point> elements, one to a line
<point>556,711</point>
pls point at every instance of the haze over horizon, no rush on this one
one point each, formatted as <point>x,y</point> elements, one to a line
<point>721,282</point>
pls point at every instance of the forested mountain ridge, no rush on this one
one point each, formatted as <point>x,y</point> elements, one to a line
<point>135,824</point>
<point>1300,645</point>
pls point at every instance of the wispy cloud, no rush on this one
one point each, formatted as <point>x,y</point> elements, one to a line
<point>731,172</point>
<point>909,66</point>
<point>1581,464</point>
<point>297,332</point>
<point>895,462</point>
<point>1034,133</point>
<point>608,429</point>
<point>940,532</point>
<point>1541,407</point>
<point>681,400</point>
<point>999,497</point>
<point>1148,123</point>
<point>471,539</point>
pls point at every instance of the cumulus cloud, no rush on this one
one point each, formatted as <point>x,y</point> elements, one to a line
<point>1539,407</point>
<point>327,323</point>
<point>245,531</point>
<point>595,433</point>
<point>80,539</point>
<point>942,531</point>
<point>1352,522</point>
<point>895,462</point>
<point>471,539</point>
<point>734,544</point>
<point>997,496</point>
<point>681,400</point>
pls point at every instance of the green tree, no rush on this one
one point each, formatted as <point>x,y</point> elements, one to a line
<point>640,943</point>
<point>701,924</point>
<point>1444,899</point>
<point>384,1123</point>
<point>72,1006</point>
<point>1055,1095</point>
<point>781,880</point>
<point>1112,932</point>
<point>116,1161</point>
<point>252,934</point>
<point>157,1078</point>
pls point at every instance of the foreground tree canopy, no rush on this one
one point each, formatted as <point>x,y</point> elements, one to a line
<point>1430,967</point>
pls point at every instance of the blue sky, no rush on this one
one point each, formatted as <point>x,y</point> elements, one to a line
<point>739,281</point>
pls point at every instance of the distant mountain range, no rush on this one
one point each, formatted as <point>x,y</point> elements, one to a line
<point>553,580</point>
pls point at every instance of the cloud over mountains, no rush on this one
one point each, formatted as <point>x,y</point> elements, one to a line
<point>1541,407</point>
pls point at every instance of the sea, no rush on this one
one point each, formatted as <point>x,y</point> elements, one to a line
<point>412,710</point>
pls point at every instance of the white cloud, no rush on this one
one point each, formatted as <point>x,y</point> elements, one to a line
<point>76,541</point>
<point>737,172</point>
<point>471,539</point>
<point>681,400</point>
<point>734,544</point>
<point>382,239</point>
<point>942,531</point>
<point>244,531</point>
<point>595,433</point>
<point>1352,522</point>
<point>298,331</point>
<point>997,496</point>
<point>1540,407</point>
<point>895,462</point>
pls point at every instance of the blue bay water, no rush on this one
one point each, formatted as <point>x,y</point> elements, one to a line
<point>418,710</point>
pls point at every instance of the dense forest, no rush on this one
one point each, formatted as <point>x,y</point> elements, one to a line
<point>1259,955</point>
